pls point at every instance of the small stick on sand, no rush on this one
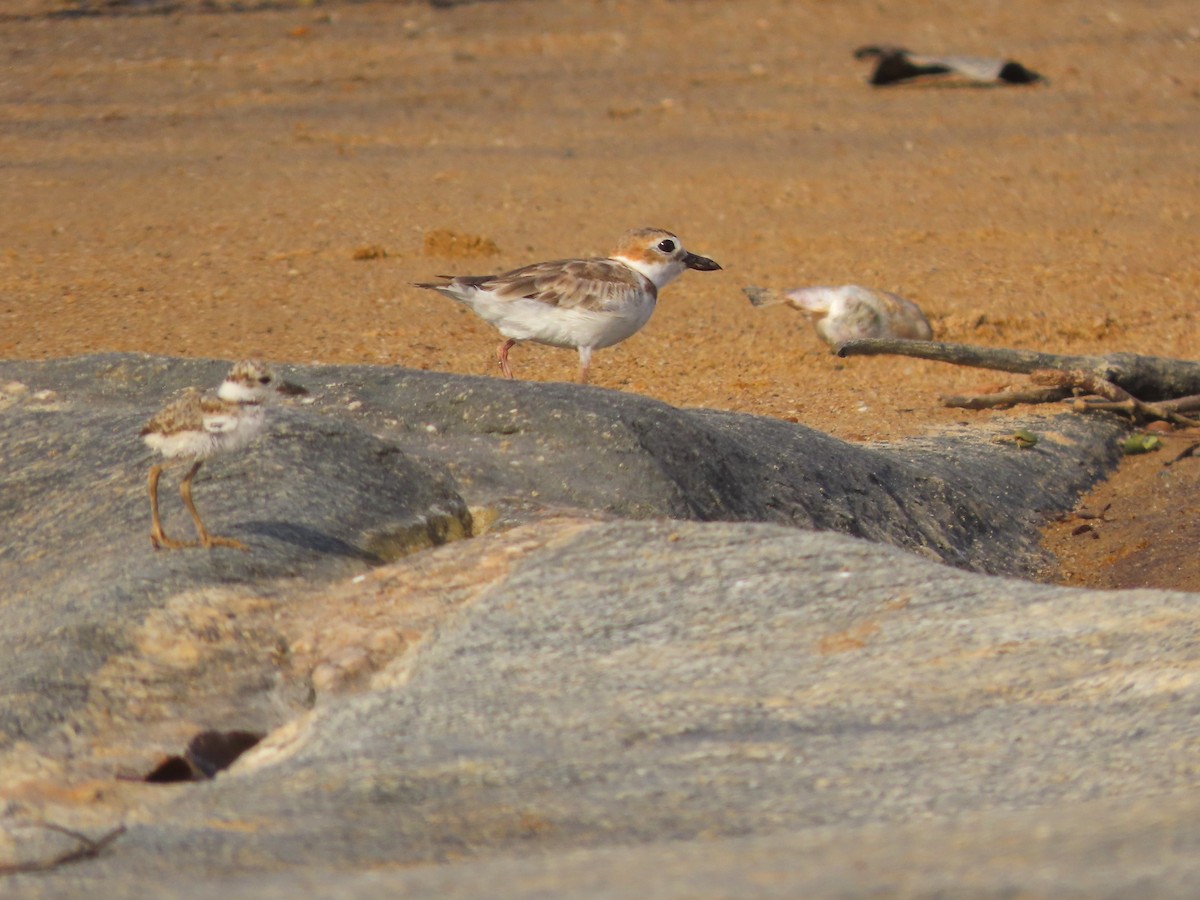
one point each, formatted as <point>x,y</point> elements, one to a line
<point>1006,399</point>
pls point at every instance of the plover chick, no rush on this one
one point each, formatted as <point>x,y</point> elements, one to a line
<point>587,304</point>
<point>198,426</point>
<point>851,312</point>
<point>895,65</point>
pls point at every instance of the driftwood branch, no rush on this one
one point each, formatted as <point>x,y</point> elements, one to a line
<point>1151,378</point>
<point>1117,381</point>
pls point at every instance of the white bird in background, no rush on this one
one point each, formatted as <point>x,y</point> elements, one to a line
<point>851,312</point>
<point>895,65</point>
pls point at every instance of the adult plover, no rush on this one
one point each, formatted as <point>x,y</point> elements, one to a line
<point>851,312</point>
<point>582,303</point>
<point>197,426</point>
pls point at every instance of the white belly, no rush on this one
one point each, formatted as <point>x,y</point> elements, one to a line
<point>530,320</point>
<point>219,433</point>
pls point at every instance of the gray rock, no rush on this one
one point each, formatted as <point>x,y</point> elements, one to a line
<point>807,708</point>
<point>663,696</point>
<point>959,496</point>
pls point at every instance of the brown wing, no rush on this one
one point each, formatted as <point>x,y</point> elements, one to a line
<point>185,414</point>
<point>566,283</point>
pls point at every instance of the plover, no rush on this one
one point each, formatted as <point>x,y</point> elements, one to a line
<point>587,304</point>
<point>895,64</point>
<point>197,426</point>
<point>851,312</point>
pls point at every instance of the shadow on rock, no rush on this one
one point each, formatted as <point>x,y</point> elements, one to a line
<point>309,539</point>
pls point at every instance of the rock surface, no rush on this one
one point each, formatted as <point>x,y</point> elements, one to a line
<point>772,703</point>
<point>649,672</point>
<point>960,497</point>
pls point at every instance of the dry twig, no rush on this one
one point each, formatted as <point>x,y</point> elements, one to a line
<point>89,848</point>
<point>1114,398</point>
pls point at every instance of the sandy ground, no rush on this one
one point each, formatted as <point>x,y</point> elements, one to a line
<point>270,182</point>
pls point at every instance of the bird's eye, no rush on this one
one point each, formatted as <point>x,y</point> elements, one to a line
<point>264,379</point>
<point>666,245</point>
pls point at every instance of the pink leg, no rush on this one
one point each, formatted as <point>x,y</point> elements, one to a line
<point>585,363</point>
<point>502,356</point>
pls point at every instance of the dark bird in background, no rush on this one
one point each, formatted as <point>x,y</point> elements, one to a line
<point>895,65</point>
